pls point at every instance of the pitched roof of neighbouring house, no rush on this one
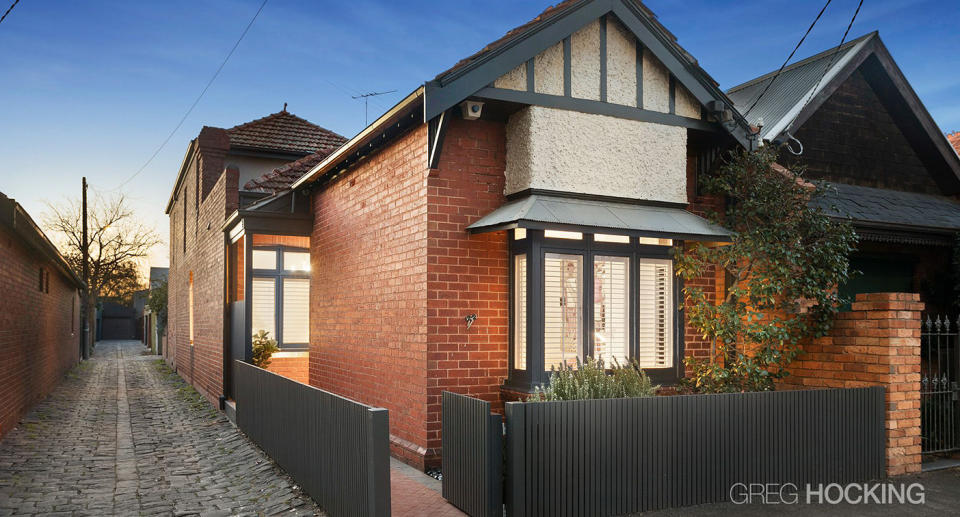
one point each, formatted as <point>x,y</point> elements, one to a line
<point>792,88</point>
<point>283,132</point>
<point>890,207</point>
<point>954,139</point>
<point>283,177</point>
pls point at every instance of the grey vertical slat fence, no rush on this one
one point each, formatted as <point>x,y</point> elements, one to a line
<point>472,456</point>
<point>337,449</point>
<point>619,456</point>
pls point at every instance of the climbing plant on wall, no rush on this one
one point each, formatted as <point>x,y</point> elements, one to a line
<point>783,263</point>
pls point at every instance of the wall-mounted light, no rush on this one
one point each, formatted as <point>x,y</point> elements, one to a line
<point>470,319</point>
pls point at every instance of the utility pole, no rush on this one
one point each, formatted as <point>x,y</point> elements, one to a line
<point>84,319</point>
<point>366,97</point>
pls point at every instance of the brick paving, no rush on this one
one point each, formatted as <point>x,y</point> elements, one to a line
<point>413,493</point>
<point>124,435</point>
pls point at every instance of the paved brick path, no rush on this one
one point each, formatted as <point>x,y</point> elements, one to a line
<point>123,435</point>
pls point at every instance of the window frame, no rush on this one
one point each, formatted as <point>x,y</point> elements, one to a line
<point>278,275</point>
<point>536,246</point>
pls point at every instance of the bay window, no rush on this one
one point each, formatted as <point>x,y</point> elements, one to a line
<point>576,295</point>
<point>280,295</point>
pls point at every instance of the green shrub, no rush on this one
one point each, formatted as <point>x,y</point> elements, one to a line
<point>590,380</point>
<point>263,348</point>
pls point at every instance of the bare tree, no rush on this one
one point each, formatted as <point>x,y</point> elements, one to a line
<point>117,241</point>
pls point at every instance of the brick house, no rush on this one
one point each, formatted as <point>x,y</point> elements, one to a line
<point>225,171</point>
<point>39,314</point>
<point>518,211</point>
<point>862,128</point>
<point>453,240</point>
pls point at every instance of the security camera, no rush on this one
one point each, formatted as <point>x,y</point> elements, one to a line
<point>471,109</point>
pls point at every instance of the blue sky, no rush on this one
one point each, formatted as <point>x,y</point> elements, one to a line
<point>92,88</point>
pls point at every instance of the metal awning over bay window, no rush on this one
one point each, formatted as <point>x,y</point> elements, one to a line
<point>594,278</point>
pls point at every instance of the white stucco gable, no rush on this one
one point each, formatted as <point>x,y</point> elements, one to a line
<point>553,149</point>
<point>622,61</point>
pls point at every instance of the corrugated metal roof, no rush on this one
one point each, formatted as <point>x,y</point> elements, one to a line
<point>877,205</point>
<point>544,211</point>
<point>791,90</point>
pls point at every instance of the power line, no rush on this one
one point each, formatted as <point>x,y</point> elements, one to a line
<point>829,64</point>
<point>784,65</point>
<point>195,102</point>
<point>8,10</point>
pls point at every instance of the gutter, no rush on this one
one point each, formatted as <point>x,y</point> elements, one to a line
<point>362,138</point>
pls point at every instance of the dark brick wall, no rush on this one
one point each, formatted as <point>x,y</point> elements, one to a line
<point>853,139</point>
<point>39,331</point>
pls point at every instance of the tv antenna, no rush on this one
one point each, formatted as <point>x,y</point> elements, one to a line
<point>366,98</point>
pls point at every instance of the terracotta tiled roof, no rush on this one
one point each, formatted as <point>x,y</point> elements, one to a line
<point>547,14</point>
<point>284,132</point>
<point>954,139</point>
<point>282,177</point>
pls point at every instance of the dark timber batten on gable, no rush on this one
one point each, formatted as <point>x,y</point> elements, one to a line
<point>475,78</point>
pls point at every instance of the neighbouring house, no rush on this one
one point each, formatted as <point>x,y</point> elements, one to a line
<point>226,172</point>
<point>153,331</point>
<point>39,314</point>
<point>954,139</point>
<point>862,128</point>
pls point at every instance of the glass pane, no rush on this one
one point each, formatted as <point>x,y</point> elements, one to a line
<point>264,259</point>
<point>560,234</point>
<point>296,310</point>
<point>604,237</point>
<point>611,299</point>
<point>653,241</point>
<point>655,313</point>
<point>263,310</point>
<point>519,233</point>
<point>563,309</point>
<point>296,261</point>
<point>520,312</point>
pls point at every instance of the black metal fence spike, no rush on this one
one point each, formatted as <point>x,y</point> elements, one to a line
<point>929,323</point>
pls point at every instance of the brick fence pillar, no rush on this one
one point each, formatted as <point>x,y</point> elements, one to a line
<point>877,342</point>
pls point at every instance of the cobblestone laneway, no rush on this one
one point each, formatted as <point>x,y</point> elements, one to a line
<point>124,435</point>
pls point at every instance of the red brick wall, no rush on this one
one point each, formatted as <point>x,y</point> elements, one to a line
<point>876,343</point>
<point>711,281</point>
<point>295,367</point>
<point>202,363</point>
<point>368,291</point>
<point>39,341</point>
<point>466,274</point>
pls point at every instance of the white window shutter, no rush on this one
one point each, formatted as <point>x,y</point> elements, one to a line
<point>296,310</point>
<point>563,309</point>
<point>263,311</point>
<point>655,313</point>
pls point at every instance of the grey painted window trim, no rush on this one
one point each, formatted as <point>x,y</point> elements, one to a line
<point>535,246</point>
<point>567,68</point>
<point>278,275</point>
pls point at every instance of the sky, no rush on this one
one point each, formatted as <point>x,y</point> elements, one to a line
<point>93,88</point>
